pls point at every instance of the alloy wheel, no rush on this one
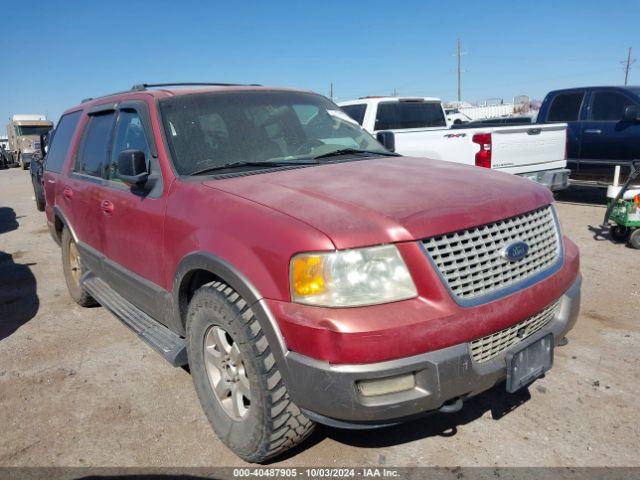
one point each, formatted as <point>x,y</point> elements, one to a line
<point>226,372</point>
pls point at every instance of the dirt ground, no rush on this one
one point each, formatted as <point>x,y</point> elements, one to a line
<point>77,388</point>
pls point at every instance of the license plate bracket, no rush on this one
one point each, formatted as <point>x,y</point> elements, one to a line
<point>529,362</point>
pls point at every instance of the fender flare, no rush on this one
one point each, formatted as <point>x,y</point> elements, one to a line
<point>57,212</point>
<point>235,279</point>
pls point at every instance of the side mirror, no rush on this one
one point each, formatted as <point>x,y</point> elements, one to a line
<point>632,113</point>
<point>388,140</point>
<point>44,140</point>
<point>132,168</point>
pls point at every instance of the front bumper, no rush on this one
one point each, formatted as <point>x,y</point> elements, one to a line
<point>555,180</point>
<point>328,393</point>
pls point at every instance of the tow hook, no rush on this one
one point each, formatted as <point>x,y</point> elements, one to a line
<point>451,406</point>
<point>563,341</point>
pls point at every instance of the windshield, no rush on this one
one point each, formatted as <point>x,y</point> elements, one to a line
<point>207,130</point>
<point>24,130</point>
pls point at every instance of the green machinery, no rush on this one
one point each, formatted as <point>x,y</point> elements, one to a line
<point>623,209</point>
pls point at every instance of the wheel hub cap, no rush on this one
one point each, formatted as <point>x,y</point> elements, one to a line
<point>74,263</point>
<point>226,372</point>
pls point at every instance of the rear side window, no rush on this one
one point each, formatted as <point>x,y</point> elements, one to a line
<point>61,141</point>
<point>401,115</point>
<point>565,107</point>
<point>93,152</point>
<point>355,111</point>
<point>609,106</point>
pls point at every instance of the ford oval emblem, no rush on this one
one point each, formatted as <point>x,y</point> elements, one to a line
<point>515,251</point>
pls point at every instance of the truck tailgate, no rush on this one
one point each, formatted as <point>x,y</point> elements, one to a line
<point>439,144</point>
<point>528,146</point>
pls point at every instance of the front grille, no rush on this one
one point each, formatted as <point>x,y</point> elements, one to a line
<point>471,263</point>
<point>486,348</point>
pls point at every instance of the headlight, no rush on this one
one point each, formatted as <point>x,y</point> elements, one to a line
<point>349,278</point>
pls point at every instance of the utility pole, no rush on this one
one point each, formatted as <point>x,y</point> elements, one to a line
<point>331,91</point>
<point>395,93</point>
<point>627,66</point>
<point>459,54</point>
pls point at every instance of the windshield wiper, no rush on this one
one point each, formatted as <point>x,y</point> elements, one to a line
<point>241,164</point>
<point>347,151</point>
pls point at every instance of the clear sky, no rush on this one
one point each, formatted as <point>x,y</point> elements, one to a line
<point>56,53</point>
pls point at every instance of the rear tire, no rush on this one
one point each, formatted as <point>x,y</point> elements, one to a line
<point>73,271</point>
<point>264,422</point>
<point>40,203</point>
<point>634,239</point>
<point>38,191</point>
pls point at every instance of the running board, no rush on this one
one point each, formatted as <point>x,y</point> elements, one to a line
<point>168,344</point>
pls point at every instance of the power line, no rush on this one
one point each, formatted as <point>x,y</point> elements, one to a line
<point>627,65</point>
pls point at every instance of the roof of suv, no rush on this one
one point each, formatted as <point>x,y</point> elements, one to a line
<point>160,91</point>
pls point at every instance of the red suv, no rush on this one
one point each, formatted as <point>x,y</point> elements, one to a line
<point>303,272</point>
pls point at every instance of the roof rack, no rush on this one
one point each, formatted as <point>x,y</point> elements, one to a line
<point>144,86</point>
<point>88,99</point>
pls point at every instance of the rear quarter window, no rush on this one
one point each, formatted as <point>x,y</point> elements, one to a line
<point>61,142</point>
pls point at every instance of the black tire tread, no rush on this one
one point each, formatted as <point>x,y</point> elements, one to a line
<point>286,426</point>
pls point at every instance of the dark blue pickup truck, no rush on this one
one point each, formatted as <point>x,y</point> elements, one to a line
<point>603,129</point>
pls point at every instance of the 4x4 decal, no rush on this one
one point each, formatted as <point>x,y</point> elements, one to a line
<point>455,135</point>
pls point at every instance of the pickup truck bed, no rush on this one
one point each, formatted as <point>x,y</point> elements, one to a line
<point>537,152</point>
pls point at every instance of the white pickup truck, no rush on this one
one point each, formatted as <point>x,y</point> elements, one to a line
<point>419,128</point>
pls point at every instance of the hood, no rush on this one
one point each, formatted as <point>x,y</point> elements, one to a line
<point>389,199</point>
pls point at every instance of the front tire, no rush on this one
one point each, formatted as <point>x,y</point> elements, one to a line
<point>236,377</point>
<point>634,239</point>
<point>73,271</point>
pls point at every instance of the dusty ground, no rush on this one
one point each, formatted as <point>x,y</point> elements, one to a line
<point>78,388</point>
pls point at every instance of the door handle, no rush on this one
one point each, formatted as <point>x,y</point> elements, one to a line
<point>67,193</point>
<point>51,181</point>
<point>597,131</point>
<point>107,207</point>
